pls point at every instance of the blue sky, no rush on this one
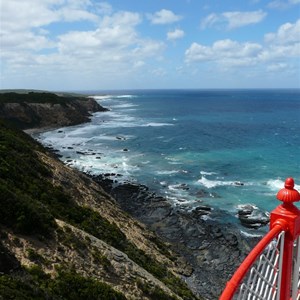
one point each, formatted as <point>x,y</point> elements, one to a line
<point>135,44</point>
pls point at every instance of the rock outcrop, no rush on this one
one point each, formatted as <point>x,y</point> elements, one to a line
<point>252,217</point>
<point>213,249</point>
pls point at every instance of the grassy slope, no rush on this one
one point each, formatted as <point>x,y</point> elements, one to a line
<point>30,203</point>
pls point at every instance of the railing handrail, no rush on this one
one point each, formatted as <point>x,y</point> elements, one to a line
<point>240,273</point>
<point>285,218</point>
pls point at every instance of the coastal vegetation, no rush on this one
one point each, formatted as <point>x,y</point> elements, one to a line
<point>39,97</point>
<point>33,284</point>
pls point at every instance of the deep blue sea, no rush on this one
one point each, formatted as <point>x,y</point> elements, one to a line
<point>223,148</point>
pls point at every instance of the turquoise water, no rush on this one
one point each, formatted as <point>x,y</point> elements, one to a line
<point>221,148</point>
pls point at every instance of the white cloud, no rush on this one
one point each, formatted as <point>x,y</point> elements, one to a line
<point>28,40</point>
<point>284,43</point>
<point>164,16</point>
<point>159,72</point>
<point>104,8</point>
<point>175,34</point>
<point>238,19</point>
<point>286,34</point>
<point>119,19</point>
<point>22,22</point>
<point>280,49</point>
<point>16,15</point>
<point>226,52</point>
<point>72,14</point>
<point>138,64</point>
<point>115,40</point>
<point>281,4</point>
<point>233,19</point>
<point>147,48</point>
<point>109,47</point>
<point>197,53</point>
<point>210,21</point>
<point>35,13</point>
<point>277,67</point>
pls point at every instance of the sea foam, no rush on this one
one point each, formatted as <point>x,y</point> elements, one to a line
<point>277,184</point>
<point>214,183</point>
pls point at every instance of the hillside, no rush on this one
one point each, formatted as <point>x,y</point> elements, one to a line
<point>43,109</point>
<point>63,237</point>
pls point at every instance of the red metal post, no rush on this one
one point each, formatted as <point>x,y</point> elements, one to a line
<point>288,216</point>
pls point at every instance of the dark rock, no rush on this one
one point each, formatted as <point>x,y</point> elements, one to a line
<point>79,152</point>
<point>209,247</point>
<point>200,211</point>
<point>206,194</point>
<point>182,186</point>
<point>231,239</point>
<point>202,193</point>
<point>251,217</point>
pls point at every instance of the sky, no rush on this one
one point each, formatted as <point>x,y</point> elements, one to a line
<point>81,45</point>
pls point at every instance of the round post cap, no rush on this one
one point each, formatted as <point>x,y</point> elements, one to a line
<point>288,194</point>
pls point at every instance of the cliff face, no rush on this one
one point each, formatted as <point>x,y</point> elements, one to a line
<point>62,236</point>
<point>46,109</point>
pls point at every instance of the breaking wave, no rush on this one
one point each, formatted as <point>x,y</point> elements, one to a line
<point>214,183</point>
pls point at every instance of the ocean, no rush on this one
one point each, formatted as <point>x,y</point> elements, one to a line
<point>222,148</point>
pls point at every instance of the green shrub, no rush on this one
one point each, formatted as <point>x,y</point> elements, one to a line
<point>22,180</point>
<point>70,285</point>
<point>154,292</point>
<point>18,289</point>
<point>68,238</point>
<point>22,213</point>
<point>34,256</point>
<point>34,284</point>
<point>101,259</point>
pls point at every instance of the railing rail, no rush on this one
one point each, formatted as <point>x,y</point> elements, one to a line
<point>296,274</point>
<point>271,271</point>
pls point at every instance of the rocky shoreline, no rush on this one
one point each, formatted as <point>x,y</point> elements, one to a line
<point>212,249</point>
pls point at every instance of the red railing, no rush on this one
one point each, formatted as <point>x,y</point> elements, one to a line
<point>271,270</point>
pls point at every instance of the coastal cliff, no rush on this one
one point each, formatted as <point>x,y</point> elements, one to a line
<point>47,110</point>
